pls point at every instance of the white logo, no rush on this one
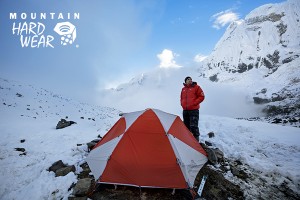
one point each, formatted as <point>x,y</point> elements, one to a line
<point>67,31</point>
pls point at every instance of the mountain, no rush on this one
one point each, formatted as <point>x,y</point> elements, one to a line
<point>253,71</point>
<point>264,49</point>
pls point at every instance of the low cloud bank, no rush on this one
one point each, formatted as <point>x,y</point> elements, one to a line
<point>161,89</point>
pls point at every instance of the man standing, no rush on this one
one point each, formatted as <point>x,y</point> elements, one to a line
<point>191,97</point>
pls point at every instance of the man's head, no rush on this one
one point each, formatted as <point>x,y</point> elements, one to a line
<point>188,80</point>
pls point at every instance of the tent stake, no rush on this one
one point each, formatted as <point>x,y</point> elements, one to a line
<point>140,192</point>
<point>173,192</point>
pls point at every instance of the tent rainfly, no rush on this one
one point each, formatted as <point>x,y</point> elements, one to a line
<point>148,148</point>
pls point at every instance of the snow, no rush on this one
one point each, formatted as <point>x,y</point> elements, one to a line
<point>259,36</point>
<point>265,147</point>
<point>27,176</point>
<point>268,148</point>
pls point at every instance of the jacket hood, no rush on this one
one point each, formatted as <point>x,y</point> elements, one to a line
<point>193,84</point>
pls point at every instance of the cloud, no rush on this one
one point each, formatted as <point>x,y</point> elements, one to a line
<point>223,18</point>
<point>199,58</point>
<point>167,59</point>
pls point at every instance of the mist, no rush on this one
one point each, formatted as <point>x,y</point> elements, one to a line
<point>161,89</point>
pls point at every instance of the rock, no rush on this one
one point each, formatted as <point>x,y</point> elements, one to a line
<point>96,140</point>
<point>22,141</point>
<point>64,123</point>
<point>211,134</point>
<point>237,169</point>
<point>217,186</point>
<point>85,173</point>
<point>20,149</point>
<point>258,100</point>
<point>76,198</point>
<point>211,156</point>
<point>65,170</point>
<point>82,187</point>
<point>208,143</point>
<point>219,154</point>
<point>57,165</point>
<point>91,145</point>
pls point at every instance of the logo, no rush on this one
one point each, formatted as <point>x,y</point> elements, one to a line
<point>67,31</point>
<point>33,34</point>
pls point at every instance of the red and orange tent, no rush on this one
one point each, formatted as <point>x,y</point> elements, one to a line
<point>148,148</point>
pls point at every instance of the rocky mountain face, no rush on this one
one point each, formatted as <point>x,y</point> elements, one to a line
<point>262,53</point>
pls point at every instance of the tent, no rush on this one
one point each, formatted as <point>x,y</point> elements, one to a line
<point>148,148</point>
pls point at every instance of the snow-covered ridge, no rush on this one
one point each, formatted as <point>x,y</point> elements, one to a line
<point>34,102</point>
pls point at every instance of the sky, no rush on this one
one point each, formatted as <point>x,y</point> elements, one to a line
<point>115,40</point>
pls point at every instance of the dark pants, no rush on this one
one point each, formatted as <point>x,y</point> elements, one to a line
<point>191,119</point>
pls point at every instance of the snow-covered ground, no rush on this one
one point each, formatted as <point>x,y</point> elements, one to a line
<point>31,114</point>
<point>33,117</point>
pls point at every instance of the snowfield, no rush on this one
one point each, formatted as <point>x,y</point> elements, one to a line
<point>29,116</point>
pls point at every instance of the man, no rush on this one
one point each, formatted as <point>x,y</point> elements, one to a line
<point>191,97</point>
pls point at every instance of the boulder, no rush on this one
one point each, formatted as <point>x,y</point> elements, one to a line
<point>57,165</point>
<point>77,198</point>
<point>20,149</point>
<point>82,187</point>
<point>64,123</point>
<point>211,134</point>
<point>91,145</point>
<point>65,170</point>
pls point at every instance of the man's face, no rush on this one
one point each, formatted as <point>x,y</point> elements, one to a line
<point>188,81</point>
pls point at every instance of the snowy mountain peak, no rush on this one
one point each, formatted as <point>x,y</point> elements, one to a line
<point>267,39</point>
<point>262,52</point>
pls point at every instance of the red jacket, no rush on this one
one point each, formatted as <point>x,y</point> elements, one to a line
<point>191,96</point>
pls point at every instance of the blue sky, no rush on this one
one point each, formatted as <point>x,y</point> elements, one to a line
<point>115,39</point>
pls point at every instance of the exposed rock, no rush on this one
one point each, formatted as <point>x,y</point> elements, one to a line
<point>57,165</point>
<point>85,173</point>
<point>65,170</point>
<point>273,17</point>
<point>208,143</point>
<point>77,198</point>
<point>214,78</point>
<point>289,59</point>
<point>64,123</point>
<point>217,186</point>
<point>82,187</point>
<point>219,154</point>
<point>215,155</point>
<point>96,140</point>
<point>91,145</point>
<point>258,100</point>
<point>211,134</point>
<point>20,149</point>
<point>19,95</point>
